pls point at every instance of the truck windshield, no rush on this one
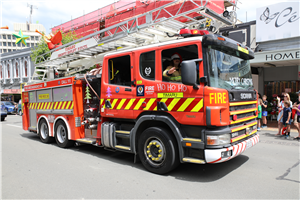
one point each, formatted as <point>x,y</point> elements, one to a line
<point>227,71</point>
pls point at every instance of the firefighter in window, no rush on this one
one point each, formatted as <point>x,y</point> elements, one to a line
<point>173,72</point>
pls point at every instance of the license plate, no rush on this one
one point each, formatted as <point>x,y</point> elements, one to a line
<point>249,144</point>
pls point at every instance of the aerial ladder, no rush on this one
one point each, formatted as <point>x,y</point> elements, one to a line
<point>158,25</point>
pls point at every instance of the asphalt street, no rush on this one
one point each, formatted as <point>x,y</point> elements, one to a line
<point>34,170</point>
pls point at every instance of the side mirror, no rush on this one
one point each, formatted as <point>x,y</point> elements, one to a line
<point>188,72</point>
<point>203,80</point>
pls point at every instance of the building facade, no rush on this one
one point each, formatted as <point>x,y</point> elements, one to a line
<point>8,41</point>
<point>15,68</point>
<point>276,41</point>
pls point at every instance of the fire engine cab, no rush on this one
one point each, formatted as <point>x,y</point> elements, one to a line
<point>206,115</point>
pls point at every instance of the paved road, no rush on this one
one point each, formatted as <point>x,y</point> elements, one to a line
<point>33,170</point>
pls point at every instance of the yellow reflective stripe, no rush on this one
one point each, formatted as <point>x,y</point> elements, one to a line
<point>30,105</point>
<point>34,105</point>
<point>155,108</point>
<point>242,120</point>
<point>198,106</point>
<point>164,100</point>
<point>51,105</point>
<point>129,104</point>
<point>69,102</point>
<point>243,127</point>
<point>121,104</point>
<point>63,106</point>
<point>39,105</point>
<point>149,104</point>
<point>173,103</point>
<point>55,105</point>
<point>114,103</point>
<point>185,104</point>
<point>242,103</point>
<point>46,104</point>
<point>59,105</point>
<point>243,136</point>
<point>138,105</point>
<point>101,101</point>
<point>72,105</point>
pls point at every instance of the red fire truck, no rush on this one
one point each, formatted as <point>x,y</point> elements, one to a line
<point>206,115</point>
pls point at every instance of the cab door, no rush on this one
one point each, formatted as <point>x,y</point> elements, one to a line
<point>118,86</point>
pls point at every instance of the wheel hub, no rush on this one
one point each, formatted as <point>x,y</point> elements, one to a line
<point>155,151</point>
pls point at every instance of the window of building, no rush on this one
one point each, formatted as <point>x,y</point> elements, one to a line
<point>9,50</point>
<point>1,71</point>
<point>19,44</point>
<point>36,38</point>
<point>0,44</point>
<point>0,36</point>
<point>0,50</point>
<point>9,44</point>
<point>27,44</point>
<point>32,38</point>
<point>25,68</point>
<point>8,72</point>
<point>4,44</point>
<point>14,44</point>
<point>32,44</point>
<point>171,58</point>
<point>147,65</point>
<point>4,50</point>
<point>119,71</point>
<point>9,37</point>
<point>17,70</point>
<point>23,45</point>
<point>4,36</point>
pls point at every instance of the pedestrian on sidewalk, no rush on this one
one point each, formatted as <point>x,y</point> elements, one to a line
<point>296,104</point>
<point>259,114</point>
<point>286,117</point>
<point>264,106</point>
<point>297,116</point>
<point>280,106</point>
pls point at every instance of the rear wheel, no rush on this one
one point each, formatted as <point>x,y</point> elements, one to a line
<point>44,132</point>
<point>158,151</point>
<point>61,135</point>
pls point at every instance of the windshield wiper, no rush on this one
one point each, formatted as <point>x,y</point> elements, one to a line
<point>233,87</point>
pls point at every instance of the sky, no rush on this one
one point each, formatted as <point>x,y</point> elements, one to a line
<point>54,12</point>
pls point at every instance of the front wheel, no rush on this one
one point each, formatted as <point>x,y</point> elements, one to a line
<point>61,135</point>
<point>20,112</point>
<point>158,151</point>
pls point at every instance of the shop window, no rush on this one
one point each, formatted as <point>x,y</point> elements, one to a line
<point>119,72</point>
<point>173,57</point>
<point>147,65</point>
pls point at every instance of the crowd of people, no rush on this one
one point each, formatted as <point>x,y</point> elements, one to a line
<point>285,117</point>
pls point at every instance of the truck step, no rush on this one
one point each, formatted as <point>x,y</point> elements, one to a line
<point>193,160</point>
<point>87,140</point>
<point>123,147</point>
<point>123,132</point>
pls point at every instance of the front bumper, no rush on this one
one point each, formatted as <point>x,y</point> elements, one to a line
<point>214,155</point>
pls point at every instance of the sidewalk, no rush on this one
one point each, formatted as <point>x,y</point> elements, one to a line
<point>273,126</point>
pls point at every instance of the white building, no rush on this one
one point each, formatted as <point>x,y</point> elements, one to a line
<point>8,41</point>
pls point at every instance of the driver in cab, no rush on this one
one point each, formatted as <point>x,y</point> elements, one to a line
<point>173,72</point>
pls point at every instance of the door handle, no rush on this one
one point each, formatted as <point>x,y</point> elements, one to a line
<point>107,104</point>
<point>127,90</point>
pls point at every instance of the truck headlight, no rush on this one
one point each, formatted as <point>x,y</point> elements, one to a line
<point>218,139</point>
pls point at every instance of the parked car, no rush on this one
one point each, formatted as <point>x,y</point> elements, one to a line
<point>3,111</point>
<point>19,112</point>
<point>9,106</point>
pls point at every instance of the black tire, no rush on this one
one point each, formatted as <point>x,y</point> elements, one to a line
<point>158,144</point>
<point>61,135</point>
<point>44,132</point>
<point>2,118</point>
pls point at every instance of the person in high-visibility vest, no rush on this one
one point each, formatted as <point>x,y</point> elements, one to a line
<point>173,72</point>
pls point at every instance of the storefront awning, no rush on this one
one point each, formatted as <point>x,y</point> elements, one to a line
<point>276,58</point>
